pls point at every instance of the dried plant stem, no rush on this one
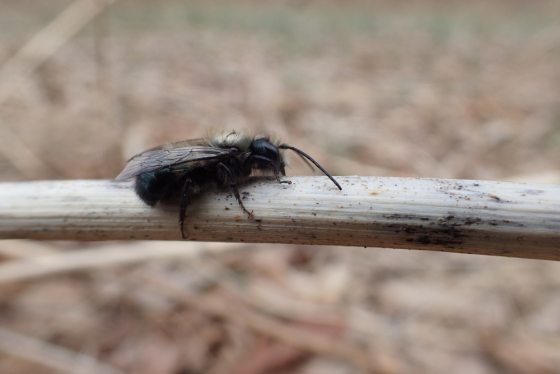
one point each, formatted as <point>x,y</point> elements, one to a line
<point>483,217</point>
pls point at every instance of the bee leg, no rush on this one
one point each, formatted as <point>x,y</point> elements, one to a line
<point>278,177</point>
<point>280,180</point>
<point>278,173</point>
<point>233,188</point>
<point>183,206</point>
<point>235,192</point>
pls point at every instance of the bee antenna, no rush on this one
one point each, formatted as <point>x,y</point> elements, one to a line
<point>304,155</point>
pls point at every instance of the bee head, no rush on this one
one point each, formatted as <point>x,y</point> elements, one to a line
<point>265,155</point>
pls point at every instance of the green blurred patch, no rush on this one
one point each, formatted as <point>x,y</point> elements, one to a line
<point>297,27</point>
<point>552,137</point>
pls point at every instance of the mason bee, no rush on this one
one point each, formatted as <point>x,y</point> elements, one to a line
<point>184,169</point>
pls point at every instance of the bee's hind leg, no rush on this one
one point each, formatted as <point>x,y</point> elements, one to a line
<point>234,190</point>
<point>183,206</point>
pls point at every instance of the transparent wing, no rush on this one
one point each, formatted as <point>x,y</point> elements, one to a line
<point>177,156</point>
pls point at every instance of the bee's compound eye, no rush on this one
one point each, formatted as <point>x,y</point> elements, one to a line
<point>263,147</point>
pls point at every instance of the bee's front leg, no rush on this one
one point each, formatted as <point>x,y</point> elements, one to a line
<point>277,176</point>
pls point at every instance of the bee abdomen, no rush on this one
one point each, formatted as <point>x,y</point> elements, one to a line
<point>153,186</point>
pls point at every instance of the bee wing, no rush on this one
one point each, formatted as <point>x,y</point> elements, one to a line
<point>176,156</point>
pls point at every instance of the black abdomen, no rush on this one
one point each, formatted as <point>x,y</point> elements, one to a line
<point>154,186</point>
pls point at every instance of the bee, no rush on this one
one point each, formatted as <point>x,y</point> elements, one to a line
<point>185,169</point>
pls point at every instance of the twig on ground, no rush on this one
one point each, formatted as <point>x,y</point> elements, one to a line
<point>45,43</point>
<point>15,73</point>
<point>294,336</point>
<point>110,256</point>
<point>52,356</point>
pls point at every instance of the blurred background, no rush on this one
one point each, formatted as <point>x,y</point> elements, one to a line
<point>449,89</point>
